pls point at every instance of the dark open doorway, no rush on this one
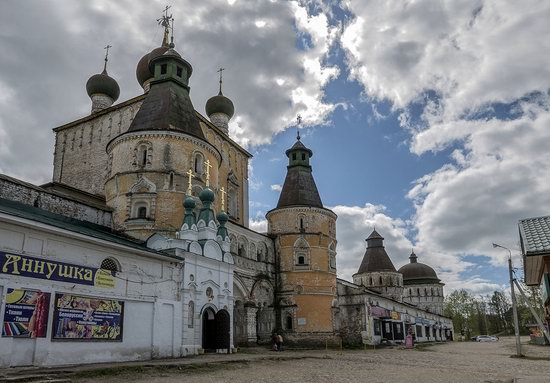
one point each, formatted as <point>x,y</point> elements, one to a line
<point>223,324</point>
<point>209,330</point>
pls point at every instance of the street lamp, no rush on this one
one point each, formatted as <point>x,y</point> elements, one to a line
<point>514,304</point>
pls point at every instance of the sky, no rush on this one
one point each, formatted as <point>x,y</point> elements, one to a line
<point>429,120</point>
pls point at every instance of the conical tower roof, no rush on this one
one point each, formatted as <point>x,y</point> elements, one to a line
<point>299,188</point>
<point>375,258</point>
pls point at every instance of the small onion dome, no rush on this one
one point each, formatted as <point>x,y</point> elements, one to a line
<point>143,73</point>
<point>207,195</point>
<point>416,272</point>
<point>102,83</point>
<point>189,202</point>
<point>222,217</point>
<point>219,104</point>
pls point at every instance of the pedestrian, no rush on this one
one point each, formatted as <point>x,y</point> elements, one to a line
<point>274,342</point>
<point>279,342</point>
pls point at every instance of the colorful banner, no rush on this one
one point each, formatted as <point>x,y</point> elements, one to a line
<point>25,266</point>
<point>26,314</point>
<point>87,319</point>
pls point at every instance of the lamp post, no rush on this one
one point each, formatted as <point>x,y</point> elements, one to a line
<point>514,304</point>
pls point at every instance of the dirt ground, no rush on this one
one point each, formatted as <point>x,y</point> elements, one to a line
<point>449,362</point>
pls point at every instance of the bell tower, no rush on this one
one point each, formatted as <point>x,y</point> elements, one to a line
<point>305,243</point>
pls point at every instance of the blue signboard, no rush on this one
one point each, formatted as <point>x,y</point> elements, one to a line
<point>25,266</point>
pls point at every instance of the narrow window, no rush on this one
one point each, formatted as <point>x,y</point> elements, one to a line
<point>142,212</point>
<point>179,71</point>
<point>301,224</point>
<point>171,182</point>
<point>163,69</point>
<point>144,157</point>
<point>191,315</point>
<point>303,156</point>
<point>294,156</point>
<point>301,260</point>
<point>380,281</point>
<point>289,322</point>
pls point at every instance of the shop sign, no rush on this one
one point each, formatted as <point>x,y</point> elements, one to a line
<point>25,266</point>
<point>379,312</point>
<point>87,319</point>
<point>26,313</point>
<point>395,315</point>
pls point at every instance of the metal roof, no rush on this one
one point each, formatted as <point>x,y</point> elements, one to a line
<point>535,235</point>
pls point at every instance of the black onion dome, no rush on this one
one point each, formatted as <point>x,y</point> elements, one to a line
<point>416,272</point>
<point>143,72</point>
<point>219,104</point>
<point>102,83</point>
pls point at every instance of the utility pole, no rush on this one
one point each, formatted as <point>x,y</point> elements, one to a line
<point>514,307</point>
<point>514,303</point>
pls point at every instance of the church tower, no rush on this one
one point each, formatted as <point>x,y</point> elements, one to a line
<point>305,242</point>
<point>377,271</point>
<point>148,163</point>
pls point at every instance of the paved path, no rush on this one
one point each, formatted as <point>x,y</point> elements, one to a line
<point>451,362</point>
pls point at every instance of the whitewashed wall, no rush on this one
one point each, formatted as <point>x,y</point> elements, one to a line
<point>148,285</point>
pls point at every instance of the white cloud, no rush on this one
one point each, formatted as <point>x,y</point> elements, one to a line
<point>276,187</point>
<point>269,78</point>
<point>258,224</point>
<point>354,225</point>
<point>458,62</point>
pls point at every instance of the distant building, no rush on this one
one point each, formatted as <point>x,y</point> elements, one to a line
<point>140,248</point>
<point>534,235</point>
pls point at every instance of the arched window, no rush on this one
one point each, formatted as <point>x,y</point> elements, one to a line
<point>232,203</point>
<point>142,154</point>
<point>301,253</point>
<point>301,223</point>
<point>289,322</point>
<point>110,264</point>
<point>142,212</point>
<point>380,281</point>
<point>191,314</point>
<point>418,292</point>
<point>198,163</point>
<point>370,281</point>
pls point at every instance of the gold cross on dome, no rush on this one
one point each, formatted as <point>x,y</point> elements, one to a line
<point>223,193</point>
<point>189,181</point>
<point>208,166</point>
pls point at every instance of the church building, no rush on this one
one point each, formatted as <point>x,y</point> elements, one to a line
<point>140,246</point>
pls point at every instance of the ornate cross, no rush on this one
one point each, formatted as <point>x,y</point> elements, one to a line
<point>208,166</point>
<point>106,56</point>
<point>164,20</point>
<point>189,181</point>
<point>220,72</point>
<point>298,123</point>
<point>223,193</point>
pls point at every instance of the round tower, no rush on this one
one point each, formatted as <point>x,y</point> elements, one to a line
<point>422,287</point>
<point>220,109</point>
<point>102,88</point>
<point>377,271</point>
<point>305,240</point>
<point>150,162</point>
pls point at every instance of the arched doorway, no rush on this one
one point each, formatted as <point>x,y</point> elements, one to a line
<point>209,330</point>
<point>223,330</point>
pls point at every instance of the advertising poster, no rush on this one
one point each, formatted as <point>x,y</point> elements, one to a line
<point>24,266</point>
<point>26,314</point>
<point>87,319</point>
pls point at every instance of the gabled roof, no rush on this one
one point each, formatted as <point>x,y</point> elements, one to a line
<point>535,235</point>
